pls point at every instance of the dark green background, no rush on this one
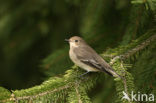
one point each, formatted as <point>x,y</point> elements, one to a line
<point>32,33</point>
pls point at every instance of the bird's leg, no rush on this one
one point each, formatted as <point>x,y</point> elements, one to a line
<point>84,74</point>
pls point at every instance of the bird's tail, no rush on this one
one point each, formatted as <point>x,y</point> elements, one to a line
<point>113,73</point>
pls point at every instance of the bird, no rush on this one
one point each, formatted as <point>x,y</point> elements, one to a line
<point>87,58</point>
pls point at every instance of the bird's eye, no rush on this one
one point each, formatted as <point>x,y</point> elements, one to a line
<point>76,40</point>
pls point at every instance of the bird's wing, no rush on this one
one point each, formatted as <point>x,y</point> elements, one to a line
<point>95,64</point>
<point>94,61</point>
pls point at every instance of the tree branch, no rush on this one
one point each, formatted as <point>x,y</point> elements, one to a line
<point>134,50</point>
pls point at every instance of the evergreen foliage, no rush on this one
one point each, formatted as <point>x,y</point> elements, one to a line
<point>123,32</point>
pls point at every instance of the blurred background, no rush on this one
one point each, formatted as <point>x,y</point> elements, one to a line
<point>32,33</point>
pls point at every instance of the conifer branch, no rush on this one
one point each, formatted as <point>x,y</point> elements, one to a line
<point>13,98</point>
<point>134,50</point>
<point>127,55</point>
<point>139,47</point>
<point>78,94</point>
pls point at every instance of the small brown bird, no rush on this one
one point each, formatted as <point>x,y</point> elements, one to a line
<point>85,57</point>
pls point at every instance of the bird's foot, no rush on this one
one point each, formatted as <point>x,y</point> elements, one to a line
<point>84,74</point>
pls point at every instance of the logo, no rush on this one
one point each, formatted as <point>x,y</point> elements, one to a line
<point>138,97</point>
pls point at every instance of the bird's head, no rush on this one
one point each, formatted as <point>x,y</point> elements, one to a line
<point>75,41</point>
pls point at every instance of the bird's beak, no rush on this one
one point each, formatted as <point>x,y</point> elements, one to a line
<point>67,40</point>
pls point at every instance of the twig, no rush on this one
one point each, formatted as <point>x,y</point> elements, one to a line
<point>77,92</point>
<point>134,50</point>
<point>13,98</point>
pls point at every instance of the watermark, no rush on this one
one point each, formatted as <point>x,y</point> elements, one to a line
<point>138,97</point>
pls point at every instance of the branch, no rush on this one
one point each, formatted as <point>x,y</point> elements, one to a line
<point>13,98</point>
<point>77,92</point>
<point>134,50</point>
